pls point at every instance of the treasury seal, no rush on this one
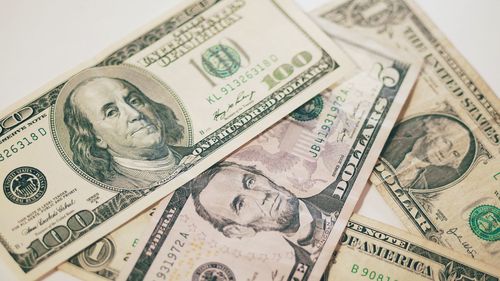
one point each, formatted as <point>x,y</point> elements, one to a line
<point>484,221</point>
<point>309,111</point>
<point>221,61</point>
<point>213,271</point>
<point>24,185</point>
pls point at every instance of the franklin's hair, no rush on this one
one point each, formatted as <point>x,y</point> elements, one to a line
<point>98,162</point>
<point>198,184</point>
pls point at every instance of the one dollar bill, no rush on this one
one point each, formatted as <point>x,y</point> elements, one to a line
<point>275,208</point>
<point>106,141</point>
<point>440,169</point>
<point>370,250</point>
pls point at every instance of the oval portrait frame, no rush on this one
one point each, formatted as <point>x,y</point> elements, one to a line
<point>152,87</point>
<point>473,149</point>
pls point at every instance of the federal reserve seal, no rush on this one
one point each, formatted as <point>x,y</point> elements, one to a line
<point>24,185</point>
<point>221,61</point>
<point>310,110</point>
<point>484,221</point>
<point>213,271</point>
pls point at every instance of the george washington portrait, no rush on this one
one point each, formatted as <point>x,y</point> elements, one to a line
<point>430,151</point>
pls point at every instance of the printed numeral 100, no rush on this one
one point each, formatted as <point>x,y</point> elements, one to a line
<point>61,233</point>
<point>285,70</point>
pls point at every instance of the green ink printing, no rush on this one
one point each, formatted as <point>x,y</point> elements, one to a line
<point>310,110</point>
<point>221,61</point>
<point>484,221</point>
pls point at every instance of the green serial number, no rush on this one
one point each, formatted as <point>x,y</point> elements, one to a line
<point>242,79</point>
<point>370,274</point>
<point>22,144</point>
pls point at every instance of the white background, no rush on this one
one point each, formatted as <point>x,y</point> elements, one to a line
<point>40,40</point>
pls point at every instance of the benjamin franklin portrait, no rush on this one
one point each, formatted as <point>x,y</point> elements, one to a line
<point>118,134</point>
<point>430,151</point>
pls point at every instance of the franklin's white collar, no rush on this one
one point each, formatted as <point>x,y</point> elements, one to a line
<point>165,163</point>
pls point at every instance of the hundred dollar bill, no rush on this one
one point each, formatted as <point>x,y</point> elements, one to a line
<point>275,208</point>
<point>440,169</point>
<point>104,142</point>
<point>104,258</point>
<point>370,250</point>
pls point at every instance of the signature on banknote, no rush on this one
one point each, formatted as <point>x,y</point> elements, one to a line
<point>241,101</point>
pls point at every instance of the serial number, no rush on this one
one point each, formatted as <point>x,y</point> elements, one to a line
<point>370,274</point>
<point>328,123</point>
<point>171,257</point>
<point>251,73</point>
<point>239,81</point>
<point>22,144</point>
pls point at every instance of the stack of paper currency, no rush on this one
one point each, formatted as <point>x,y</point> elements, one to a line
<point>231,140</point>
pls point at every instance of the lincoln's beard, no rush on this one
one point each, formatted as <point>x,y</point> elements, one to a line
<point>288,220</point>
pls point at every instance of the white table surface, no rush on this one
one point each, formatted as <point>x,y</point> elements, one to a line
<point>42,39</point>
